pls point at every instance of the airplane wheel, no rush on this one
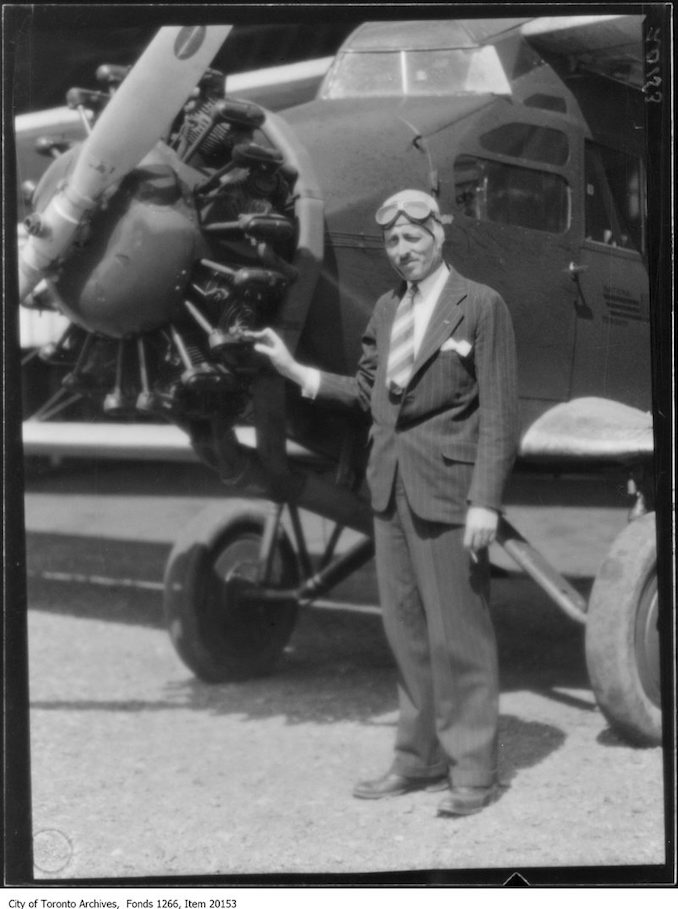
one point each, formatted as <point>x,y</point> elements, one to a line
<point>622,640</point>
<point>215,559</point>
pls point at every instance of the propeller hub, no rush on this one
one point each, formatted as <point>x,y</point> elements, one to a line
<point>130,263</point>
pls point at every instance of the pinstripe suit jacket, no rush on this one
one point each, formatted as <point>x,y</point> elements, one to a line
<point>453,433</point>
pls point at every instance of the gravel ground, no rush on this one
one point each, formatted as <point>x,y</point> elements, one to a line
<point>140,770</point>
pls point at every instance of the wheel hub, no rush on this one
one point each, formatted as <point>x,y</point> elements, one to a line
<point>647,642</point>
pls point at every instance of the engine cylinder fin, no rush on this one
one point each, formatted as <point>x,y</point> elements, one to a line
<point>199,140</point>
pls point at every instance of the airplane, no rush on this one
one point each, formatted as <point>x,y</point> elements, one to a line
<point>187,216</point>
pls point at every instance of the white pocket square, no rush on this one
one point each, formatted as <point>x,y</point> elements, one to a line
<point>463,347</point>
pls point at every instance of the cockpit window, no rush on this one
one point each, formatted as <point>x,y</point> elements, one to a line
<point>399,73</point>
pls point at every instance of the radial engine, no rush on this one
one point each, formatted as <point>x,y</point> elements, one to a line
<point>187,251</point>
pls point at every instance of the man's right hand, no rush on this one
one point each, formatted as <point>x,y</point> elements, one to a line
<point>270,344</point>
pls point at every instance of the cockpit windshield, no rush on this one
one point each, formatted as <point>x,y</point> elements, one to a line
<point>403,73</point>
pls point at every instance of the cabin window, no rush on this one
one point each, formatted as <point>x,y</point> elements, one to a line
<point>525,140</point>
<point>507,194</point>
<point>614,199</point>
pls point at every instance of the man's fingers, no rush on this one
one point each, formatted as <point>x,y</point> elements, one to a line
<point>265,334</point>
<point>476,539</point>
<point>481,527</point>
<point>266,341</point>
<point>472,533</point>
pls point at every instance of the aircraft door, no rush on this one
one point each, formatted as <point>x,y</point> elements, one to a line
<point>612,339</point>
<point>511,230</point>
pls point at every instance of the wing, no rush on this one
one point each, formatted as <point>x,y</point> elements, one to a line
<point>127,441</point>
<point>609,46</point>
<point>589,429</point>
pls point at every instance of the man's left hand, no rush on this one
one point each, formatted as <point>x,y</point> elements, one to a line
<point>481,527</point>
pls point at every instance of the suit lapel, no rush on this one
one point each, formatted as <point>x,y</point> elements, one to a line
<point>447,314</point>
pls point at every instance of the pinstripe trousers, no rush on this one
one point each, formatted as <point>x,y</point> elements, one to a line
<point>435,604</point>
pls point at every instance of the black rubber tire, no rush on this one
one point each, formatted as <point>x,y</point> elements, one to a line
<point>216,637</point>
<point>622,640</point>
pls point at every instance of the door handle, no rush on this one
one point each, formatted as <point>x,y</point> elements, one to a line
<point>574,269</point>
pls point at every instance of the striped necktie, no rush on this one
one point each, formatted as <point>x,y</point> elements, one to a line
<point>401,353</point>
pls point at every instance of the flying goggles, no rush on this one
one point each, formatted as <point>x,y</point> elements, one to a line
<point>416,211</point>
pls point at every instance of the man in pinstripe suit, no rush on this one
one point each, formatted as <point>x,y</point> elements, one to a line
<point>438,374</point>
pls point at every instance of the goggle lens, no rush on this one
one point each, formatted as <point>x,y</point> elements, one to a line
<point>415,211</point>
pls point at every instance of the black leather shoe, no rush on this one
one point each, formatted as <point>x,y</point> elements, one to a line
<point>463,800</point>
<point>394,784</point>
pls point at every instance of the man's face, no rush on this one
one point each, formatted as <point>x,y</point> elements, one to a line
<point>412,250</point>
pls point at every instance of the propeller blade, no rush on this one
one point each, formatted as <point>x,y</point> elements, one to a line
<point>136,117</point>
<point>144,106</point>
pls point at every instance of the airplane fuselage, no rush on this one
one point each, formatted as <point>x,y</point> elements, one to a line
<point>524,179</point>
<point>542,175</point>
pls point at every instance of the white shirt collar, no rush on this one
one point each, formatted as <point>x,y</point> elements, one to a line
<point>431,281</point>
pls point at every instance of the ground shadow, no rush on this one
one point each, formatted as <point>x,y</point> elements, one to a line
<point>337,665</point>
<point>540,648</point>
<point>93,557</point>
<point>525,744</point>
